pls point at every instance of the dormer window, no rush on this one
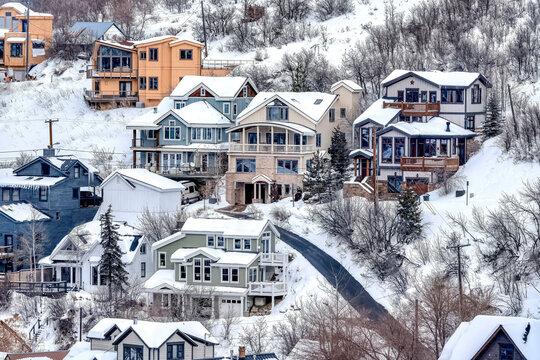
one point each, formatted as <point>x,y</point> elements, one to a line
<point>245,91</point>
<point>77,172</point>
<point>203,92</point>
<point>277,111</point>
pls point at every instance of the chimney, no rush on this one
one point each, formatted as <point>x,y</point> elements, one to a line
<point>135,320</point>
<point>49,152</point>
<point>100,17</point>
<point>241,352</point>
<point>155,110</point>
<point>448,126</point>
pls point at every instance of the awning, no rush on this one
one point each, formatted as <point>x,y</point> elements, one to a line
<point>368,154</point>
<point>262,178</point>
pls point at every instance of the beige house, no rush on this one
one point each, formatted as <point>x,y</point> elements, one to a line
<point>276,136</point>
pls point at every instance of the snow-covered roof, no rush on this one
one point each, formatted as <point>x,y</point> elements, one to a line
<point>199,113</point>
<point>21,212</point>
<point>154,334</point>
<point>8,178</point>
<point>376,113</point>
<point>130,45</point>
<point>221,257</point>
<point>226,227</point>
<point>179,40</point>
<point>224,87</point>
<point>440,78</point>
<point>436,127</point>
<point>311,104</point>
<point>82,351</point>
<point>145,177</point>
<point>471,336</point>
<point>284,124</point>
<point>94,29</point>
<point>22,9</point>
<point>15,39</point>
<point>364,152</point>
<point>349,84</point>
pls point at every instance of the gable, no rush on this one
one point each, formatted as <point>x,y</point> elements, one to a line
<point>491,349</point>
<point>36,168</point>
<point>251,92</point>
<point>197,93</point>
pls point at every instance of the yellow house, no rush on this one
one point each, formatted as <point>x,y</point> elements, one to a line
<point>126,73</point>
<point>14,25</point>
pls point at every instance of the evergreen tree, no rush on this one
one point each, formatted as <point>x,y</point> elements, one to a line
<point>410,215</point>
<point>339,157</point>
<point>493,122</point>
<point>112,268</point>
<point>317,178</point>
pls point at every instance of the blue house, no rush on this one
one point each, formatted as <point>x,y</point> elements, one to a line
<point>52,194</point>
<point>185,137</point>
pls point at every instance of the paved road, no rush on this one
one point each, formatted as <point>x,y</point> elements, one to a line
<point>336,275</point>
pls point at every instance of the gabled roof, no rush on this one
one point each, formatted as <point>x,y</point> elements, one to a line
<point>22,211</point>
<point>62,163</point>
<point>93,29</point>
<point>470,337</point>
<point>222,87</point>
<point>169,239</point>
<point>132,45</point>
<point>45,355</point>
<point>221,257</point>
<point>349,84</point>
<point>22,9</point>
<point>8,178</point>
<point>313,105</point>
<point>227,227</point>
<point>438,78</point>
<point>377,115</point>
<point>435,127</point>
<point>145,178</point>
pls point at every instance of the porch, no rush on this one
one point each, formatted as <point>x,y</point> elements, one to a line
<point>103,96</point>
<point>273,259</point>
<point>267,289</point>
<point>441,164</point>
<point>93,71</point>
<point>415,108</point>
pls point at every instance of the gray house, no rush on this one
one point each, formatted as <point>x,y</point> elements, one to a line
<point>222,267</point>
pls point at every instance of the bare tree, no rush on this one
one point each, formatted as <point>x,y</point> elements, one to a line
<point>102,159</point>
<point>255,336</point>
<point>158,226</point>
<point>30,245</point>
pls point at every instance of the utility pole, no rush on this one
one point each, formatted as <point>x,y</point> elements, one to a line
<point>458,247</point>
<point>50,122</point>
<point>27,39</point>
<point>204,30</point>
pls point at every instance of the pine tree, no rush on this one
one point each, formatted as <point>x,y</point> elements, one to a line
<point>317,178</point>
<point>339,157</point>
<point>112,268</point>
<point>493,122</point>
<point>410,215</point>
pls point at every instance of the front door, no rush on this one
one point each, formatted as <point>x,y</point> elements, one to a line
<point>125,88</point>
<point>263,193</point>
<point>365,168</point>
<point>248,190</point>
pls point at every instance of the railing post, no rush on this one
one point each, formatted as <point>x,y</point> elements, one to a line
<point>423,162</point>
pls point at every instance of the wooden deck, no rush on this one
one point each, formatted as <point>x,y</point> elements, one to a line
<point>6,252</point>
<point>55,288</point>
<point>415,109</point>
<point>429,164</point>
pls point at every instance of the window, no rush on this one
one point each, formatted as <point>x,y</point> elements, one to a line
<point>132,352</point>
<point>16,50</point>
<point>411,95</point>
<point>237,244</point>
<point>24,25</point>
<point>224,275</point>
<point>5,194</point>
<point>96,86</point>
<point>142,83</point>
<point>318,140</point>
<point>343,113</point>
<point>175,351</point>
<point>252,274</point>
<point>172,132</point>
<point>476,94</point>
<point>247,244</point>
<point>179,104</point>
<point>16,194</point>
<point>152,83</point>
<point>94,276</point>
<point>416,118</point>
<point>433,96</point>
<point>364,138</point>
<point>399,148</point>
<point>57,215</point>
<point>277,111</point>
<point>142,249</point>
<point>506,352</point>
<point>142,55</point>
<point>280,187</point>
<point>220,242</point>
<point>423,96</point>
<point>45,169</point>
<point>197,270</point>
<point>469,123</point>
<point>113,59</point>
<point>287,189</point>
<point>77,172</point>
<point>332,115</point>
<point>210,241</point>
<point>235,109</point>
<point>404,118</point>
<point>203,92</point>
<point>151,134</point>
<point>143,270</point>
<point>451,96</point>
<point>226,108</point>
<point>153,54</point>
<point>183,272</point>
<point>245,165</point>
<point>400,96</point>
<point>386,149</point>
<point>43,194</point>
<point>245,91</point>
<point>287,166</point>
<point>162,259</point>
<point>207,274</point>
<point>186,54</point>
<point>279,138</point>
<point>234,275</point>
<point>75,193</point>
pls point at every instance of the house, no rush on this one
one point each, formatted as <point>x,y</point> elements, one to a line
<point>48,355</point>
<point>185,136</point>
<point>146,71</point>
<point>423,126</point>
<point>17,23</point>
<point>88,32</point>
<point>129,191</point>
<point>135,339</point>
<point>494,337</point>
<point>277,135</point>
<point>75,259</point>
<point>45,199</point>
<point>219,267</point>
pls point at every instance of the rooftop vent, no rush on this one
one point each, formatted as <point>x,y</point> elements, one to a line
<point>155,110</point>
<point>318,101</point>
<point>448,126</point>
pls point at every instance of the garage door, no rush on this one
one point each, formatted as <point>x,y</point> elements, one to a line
<point>230,308</point>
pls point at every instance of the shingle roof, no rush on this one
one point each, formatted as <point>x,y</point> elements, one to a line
<point>52,355</point>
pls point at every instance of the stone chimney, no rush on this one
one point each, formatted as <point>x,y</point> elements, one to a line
<point>241,352</point>
<point>100,17</point>
<point>448,126</point>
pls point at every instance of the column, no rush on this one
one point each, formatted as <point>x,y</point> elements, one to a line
<point>134,152</point>
<point>286,140</point>
<point>272,137</point>
<point>258,138</point>
<point>243,139</point>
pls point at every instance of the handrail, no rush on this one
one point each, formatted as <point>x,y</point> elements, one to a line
<point>270,148</point>
<point>93,71</point>
<point>110,94</point>
<point>429,163</point>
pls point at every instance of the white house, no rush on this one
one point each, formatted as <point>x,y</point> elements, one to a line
<point>130,191</point>
<point>76,258</point>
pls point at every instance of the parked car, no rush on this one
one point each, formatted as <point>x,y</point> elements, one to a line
<point>191,194</point>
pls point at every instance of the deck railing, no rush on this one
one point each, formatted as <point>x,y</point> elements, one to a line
<point>39,288</point>
<point>91,95</point>
<point>273,259</point>
<point>429,163</point>
<point>93,71</point>
<point>415,109</point>
<point>6,251</point>
<point>182,170</point>
<point>267,288</point>
<point>270,148</point>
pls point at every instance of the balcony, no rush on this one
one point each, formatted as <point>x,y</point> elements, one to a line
<point>225,64</point>
<point>415,109</point>
<point>270,148</point>
<point>6,251</point>
<point>185,170</point>
<point>267,289</point>
<point>273,259</point>
<point>144,143</point>
<point>93,72</point>
<point>109,96</point>
<point>429,164</point>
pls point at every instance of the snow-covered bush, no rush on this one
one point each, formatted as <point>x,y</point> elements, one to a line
<point>280,214</point>
<point>254,212</point>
